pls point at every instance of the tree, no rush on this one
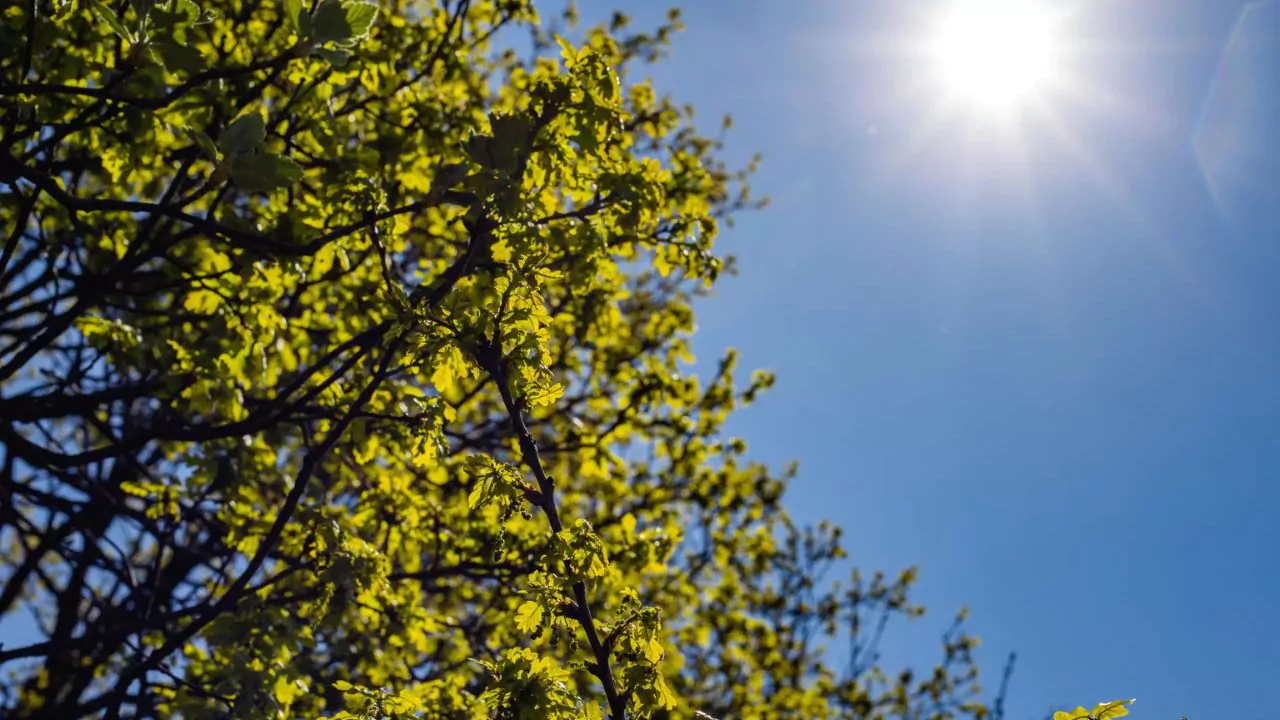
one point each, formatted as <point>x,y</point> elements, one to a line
<point>346,373</point>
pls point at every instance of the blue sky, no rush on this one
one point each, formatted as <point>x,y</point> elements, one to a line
<point>1036,355</point>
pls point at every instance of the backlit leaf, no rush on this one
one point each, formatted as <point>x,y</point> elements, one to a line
<point>108,17</point>
<point>243,135</point>
<point>529,616</point>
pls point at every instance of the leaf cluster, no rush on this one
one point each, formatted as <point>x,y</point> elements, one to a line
<point>346,372</point>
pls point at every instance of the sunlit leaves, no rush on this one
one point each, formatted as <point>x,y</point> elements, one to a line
<point>108,17</point>
<point>162,498</point>
<point>538,386</point>
<point>1101,711</point>
<point>529,616</point>
<point>294,13</point>
<point>638,634</point>
<point>493,482</point>
<point>525,686</point>
<point>648,689</point>
<point>582,551</point>
<point>398,325</point>
<point>365,703</point>
<point>108,334</point>
<point>1114,709</point>
<point>451,367</point>
<point>182,11</point>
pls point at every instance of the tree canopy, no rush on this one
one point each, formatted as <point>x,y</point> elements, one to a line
<point>345,356</point>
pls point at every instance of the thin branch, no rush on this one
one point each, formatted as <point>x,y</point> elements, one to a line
<point>546,490</point>
<point>997,712</point>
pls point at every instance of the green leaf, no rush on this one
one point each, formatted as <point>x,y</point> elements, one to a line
<point>529,616</point>
<point>206,144</point>
<point>335,56</point>
<point>544,393</point>
<point>286,691</point>
<point>306,26</point>
<point>342,685</point>
<point>343,22</point>
<point>264,171</point>
<point>567,52</point>
<point>329,22</point>
<point>143,7</point>
<point>587,138</point>
<point>1114,709</point>
<point>493,481</point>
<point>480,494</point>
<point>187,9</point>
<point>135,489</point>
<point>477,148</point>
<point>510,133</point>
<point>161,20</point>
<point>448,175</point>
<point>360,17</point>
<point>293,13</point>
<point>109,18</point>
<point>606,81</point>
<point>177,56</point>
<point>244,135</point>
<point>173,14</point>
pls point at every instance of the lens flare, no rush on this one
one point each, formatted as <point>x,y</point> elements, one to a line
<point>995,54</point>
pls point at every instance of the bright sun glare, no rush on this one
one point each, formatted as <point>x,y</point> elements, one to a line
<point>995,54</point>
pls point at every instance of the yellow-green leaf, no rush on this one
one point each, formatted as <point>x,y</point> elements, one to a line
<point>529,616</point>
<point>1114,709</point>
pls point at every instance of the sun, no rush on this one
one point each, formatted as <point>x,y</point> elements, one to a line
<point>995,55</point>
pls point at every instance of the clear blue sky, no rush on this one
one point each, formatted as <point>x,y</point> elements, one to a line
<point>1037,357</point>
